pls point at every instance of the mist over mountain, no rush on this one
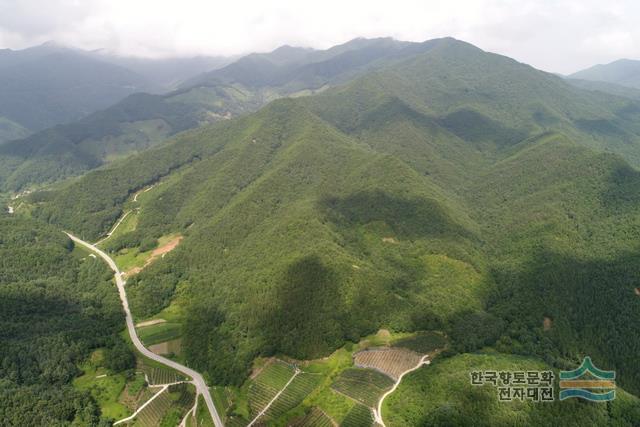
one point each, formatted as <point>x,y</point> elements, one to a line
<point>623,72</point>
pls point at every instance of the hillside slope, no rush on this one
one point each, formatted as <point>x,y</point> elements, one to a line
<point>48,85</point>
<point>623,72</point>
<point>454,190</point>
<point>140,121</point>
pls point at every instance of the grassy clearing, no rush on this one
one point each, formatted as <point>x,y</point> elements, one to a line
<point>104,386</point>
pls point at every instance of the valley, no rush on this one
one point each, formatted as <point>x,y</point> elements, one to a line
<point>325,237</point>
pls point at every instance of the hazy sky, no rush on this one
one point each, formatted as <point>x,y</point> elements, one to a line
<point>554,35</point>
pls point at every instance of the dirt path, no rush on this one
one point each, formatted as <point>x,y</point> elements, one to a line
<point>114,227</point>
<point>377,413</point>
<point>295,374</point>
<point>150,323</point>
<point>198,380</point>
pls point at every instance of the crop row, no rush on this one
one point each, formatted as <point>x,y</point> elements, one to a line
<point>363,385</point>
<point>358,416</point>
<point>294,394</point>
<point>152,414</point>
<point>315,418</point>
<point>390,361</point>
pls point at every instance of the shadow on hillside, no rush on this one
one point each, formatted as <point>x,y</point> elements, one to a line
<point>477,128</point>
<point>623,189</point>
<point>407,218</point>
<point>308,320</point>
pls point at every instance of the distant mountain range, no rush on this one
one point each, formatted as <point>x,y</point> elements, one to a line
<point>443,188</point>
<point>144,120</point>
<point>623,72</point>
<point>47,85</point>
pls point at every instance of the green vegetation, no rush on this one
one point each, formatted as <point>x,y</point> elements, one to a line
<point>358,416</point>
<point>441,394</point>
<point>56,306</point>
<point>159,333</point>
<point>364,385</point>
<point>105,387</point>
<point>422,342</point>
<point>453,190</point>
<point>301,386</point>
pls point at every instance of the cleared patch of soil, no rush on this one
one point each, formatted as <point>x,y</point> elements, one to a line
<point>166,248</point>
<point>638,291</point>
<point>547,323</point>
<point>157,253</point>
<point>167,347</point>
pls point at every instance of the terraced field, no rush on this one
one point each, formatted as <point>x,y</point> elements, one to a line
<point>162,376</point>
<point>315,418</point>
<point>267,384</point>
<point>389,361</point>
<point>358,416</point>
<point>178,397</point>
<point>363,385</point>
<point>293,395</point>
<point>153,413</point>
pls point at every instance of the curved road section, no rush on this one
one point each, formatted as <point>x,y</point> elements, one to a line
<point>198,381</point>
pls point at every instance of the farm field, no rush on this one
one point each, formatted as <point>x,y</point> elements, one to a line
<point>159,333</point>
<point>293,395</point>
<point>315,418</point>
<point>267,384</point>
<point>169,407</point>
<point>363,385</point>
<point>390,361</point>
<point>159,375</point>
<point>358,416</point>
<point>328,391</point>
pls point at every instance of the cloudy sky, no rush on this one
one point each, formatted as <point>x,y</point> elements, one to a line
<point>554,35</point>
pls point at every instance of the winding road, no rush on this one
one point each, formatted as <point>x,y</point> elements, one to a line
<point>198,381</point>
<point>377,413</point>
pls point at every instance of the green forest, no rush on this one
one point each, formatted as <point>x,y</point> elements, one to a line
<point>450,190</point>
<point>56,305</point>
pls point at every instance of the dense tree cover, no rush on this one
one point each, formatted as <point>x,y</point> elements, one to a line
<point>457,191</point>
<point>441,395</point>
<point>55,306</point>
<point>141,120</point>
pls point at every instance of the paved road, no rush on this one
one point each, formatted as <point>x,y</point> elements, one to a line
<point>199,382</point>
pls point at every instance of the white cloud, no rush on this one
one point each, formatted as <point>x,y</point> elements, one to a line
<point>557,35</point>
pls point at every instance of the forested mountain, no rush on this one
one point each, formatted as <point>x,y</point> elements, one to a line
<point>451,189</point>
<point>140,121</point>
<point>623,72</point>
<point>47,85</point>
<point>56,304</point>
<point>610,88</point>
